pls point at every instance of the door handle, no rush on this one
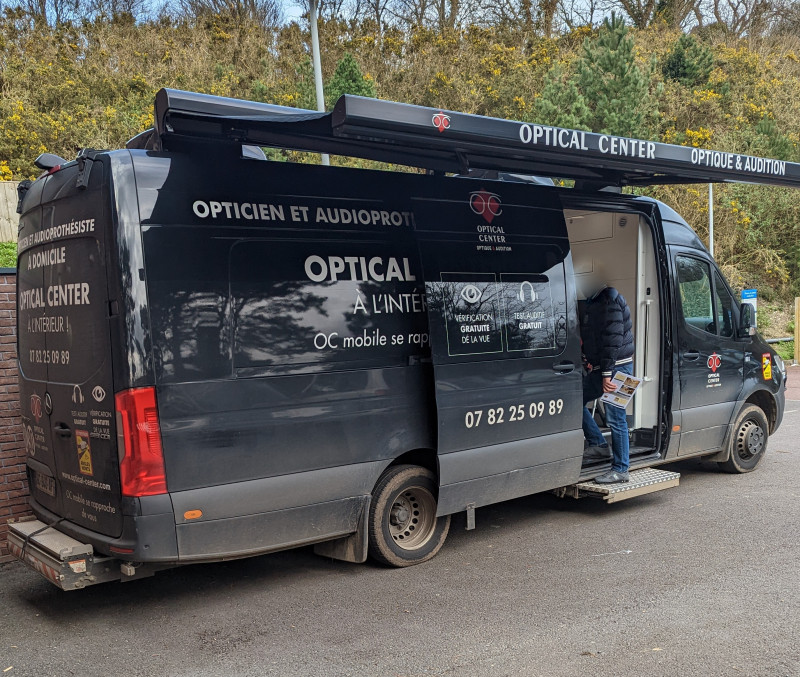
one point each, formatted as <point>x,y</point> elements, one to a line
<point>691,355</point>
<point>62,430</point>
<point>564,367</point>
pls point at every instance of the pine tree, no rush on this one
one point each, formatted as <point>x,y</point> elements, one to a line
<point>689,62</point>
<point>614,88</point>
<point>348,79</point>
<point>561,103</point>
<point>306,94</point>
<point>774,143</point>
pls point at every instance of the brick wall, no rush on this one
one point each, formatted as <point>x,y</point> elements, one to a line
<point>13,485</point>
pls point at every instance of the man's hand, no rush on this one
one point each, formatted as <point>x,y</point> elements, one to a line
<point>608,387</point>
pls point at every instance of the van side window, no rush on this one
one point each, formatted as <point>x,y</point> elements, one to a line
<point>694,282</point>
<point>724,306</point>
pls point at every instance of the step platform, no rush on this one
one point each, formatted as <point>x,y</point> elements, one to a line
<point>69,564</point>
<point>643,481</point>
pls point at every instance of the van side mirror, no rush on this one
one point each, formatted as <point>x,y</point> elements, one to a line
<point>747,324</point>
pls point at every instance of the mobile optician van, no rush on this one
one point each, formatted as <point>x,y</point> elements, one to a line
<point>222,356</point>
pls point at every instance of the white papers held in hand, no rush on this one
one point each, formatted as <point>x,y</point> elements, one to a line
<point>626,387</point>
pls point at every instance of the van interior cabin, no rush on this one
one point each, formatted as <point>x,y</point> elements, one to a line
<point>620,245</point>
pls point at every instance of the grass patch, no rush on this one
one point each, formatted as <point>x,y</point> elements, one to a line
<point>785,349</point>
<point>8,254</point>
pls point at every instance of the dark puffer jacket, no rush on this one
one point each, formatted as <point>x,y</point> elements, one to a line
<point>607,331</point>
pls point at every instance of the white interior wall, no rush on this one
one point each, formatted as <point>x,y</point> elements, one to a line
<point>621,244</point>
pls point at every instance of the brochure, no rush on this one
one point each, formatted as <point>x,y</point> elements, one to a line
<point>627,386</point>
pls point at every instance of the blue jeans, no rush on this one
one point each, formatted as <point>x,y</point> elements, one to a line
<point>616,419</point>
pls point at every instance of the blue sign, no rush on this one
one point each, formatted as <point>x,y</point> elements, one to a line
<point>751,296</point>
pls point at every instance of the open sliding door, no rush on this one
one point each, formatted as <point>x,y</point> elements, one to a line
<point>505,345</point>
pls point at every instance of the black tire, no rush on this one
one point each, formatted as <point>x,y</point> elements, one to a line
<point>403,527</point>
<point>748,442</point>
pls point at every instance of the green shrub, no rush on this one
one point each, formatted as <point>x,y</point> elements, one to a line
<point>689,62</point>
<point>8,254</point>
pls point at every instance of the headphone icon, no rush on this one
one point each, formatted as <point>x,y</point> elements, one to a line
<point>522,291</point>
<point>77,395</point>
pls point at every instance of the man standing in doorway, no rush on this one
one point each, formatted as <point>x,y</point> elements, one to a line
<point>607,334</point>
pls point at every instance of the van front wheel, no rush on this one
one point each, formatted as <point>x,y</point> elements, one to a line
<point>748,441</point>
<point>403,527</point>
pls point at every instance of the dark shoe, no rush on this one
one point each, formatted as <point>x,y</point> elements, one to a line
<point>612,477</point>
<point>597,453</point>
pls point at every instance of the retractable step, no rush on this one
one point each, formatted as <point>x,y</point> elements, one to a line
<point>644,481</point>
<point>62,560</point>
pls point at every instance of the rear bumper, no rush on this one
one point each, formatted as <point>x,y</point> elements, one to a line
<point>146,537</point>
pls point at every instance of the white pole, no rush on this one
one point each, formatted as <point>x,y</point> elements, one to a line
<point>317,66</point>
<point>711,218</point>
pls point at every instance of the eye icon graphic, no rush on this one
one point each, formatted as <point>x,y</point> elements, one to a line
<point>471,294</point>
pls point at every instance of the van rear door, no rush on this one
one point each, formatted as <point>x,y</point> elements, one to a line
<point>504,340</point>
<point>65,353</point>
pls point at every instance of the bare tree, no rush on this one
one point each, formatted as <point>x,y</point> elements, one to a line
<point>640,12</point>
<point>264,12</point>
<point>643,13</point>
<point>138,9</point>
<point>676,13</point>
<point>52,11</point>
<point>333,9</point>
<point>446,13</point>
<point>742,17</point>
<point>786,20</point>
<point>411,12</point>
<point>575,13</point>
<point>547,16</point>
<point>376,10</point>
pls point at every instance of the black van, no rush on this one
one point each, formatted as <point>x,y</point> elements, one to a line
<point>222,356</point>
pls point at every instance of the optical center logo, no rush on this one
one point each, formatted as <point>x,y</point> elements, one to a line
<point>714,362</point>
<point>36,407</point>
<point>486,204</point>
<point>441,121</point>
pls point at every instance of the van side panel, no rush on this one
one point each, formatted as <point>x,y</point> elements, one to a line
<point>238,430</point>
<point>289,347</point>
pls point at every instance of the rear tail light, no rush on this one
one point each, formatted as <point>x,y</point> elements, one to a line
<point>141,466</point>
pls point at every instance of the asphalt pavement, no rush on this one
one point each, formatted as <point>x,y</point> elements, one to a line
<point>697,580</point>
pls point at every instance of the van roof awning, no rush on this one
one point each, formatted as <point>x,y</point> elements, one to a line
<point>453,142</point>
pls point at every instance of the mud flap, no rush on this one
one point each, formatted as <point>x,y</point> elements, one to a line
<point>352,548</point>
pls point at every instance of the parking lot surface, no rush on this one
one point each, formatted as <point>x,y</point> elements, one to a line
<point>697,580</point>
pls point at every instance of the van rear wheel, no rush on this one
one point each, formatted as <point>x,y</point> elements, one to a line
<point>748,442</point>
<point>403,527</point>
